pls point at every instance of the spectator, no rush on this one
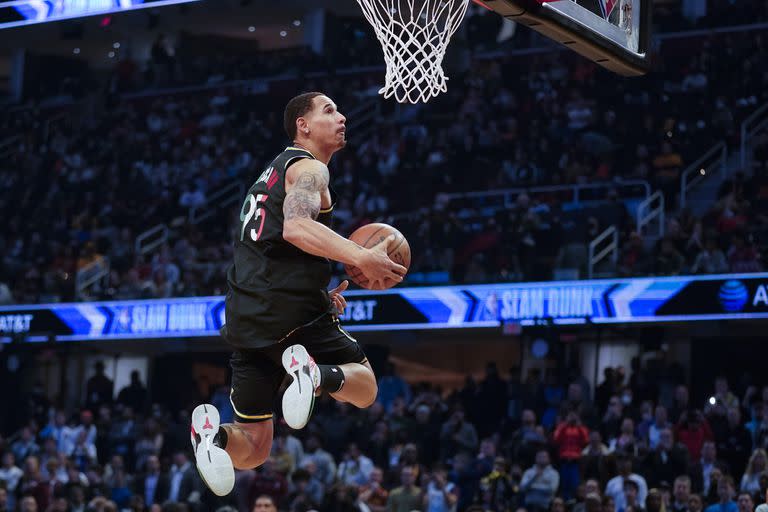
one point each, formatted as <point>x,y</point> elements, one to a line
<point>570,437</point>
<point>701,472</point>
<point>763,507</point>
<point>693,430</point>
<point>660,422</point>
<point>668,460</point>
<point>615,486</point>
<point>591,488</point>
<point>498,489</point>
<point>325,467</point>
<point>264,503</point>
<point>99,388</point>
<point>269,482</point>
<point>4,503</point>
<point>184,484</point>
<point>153,485</point>
<point>407,497</point>
<point>373,494</point>
<point>736,442</point>
<point>725,493</point>
<point>745,502</point>
<point>458,435</point>
<point>631,490</point>
<point>655,501</point>
<point>26,445</point>
<point>681,494</point>
<point>540,483</point>
<point>134,395</point>
<point>440,495</point>
<point>711,260</point>
<point>695,503</point>
<point>356,468</point>
<point>10,474</point>
<point>750,482</point>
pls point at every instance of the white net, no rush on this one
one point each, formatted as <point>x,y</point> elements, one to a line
<point>414,35</point>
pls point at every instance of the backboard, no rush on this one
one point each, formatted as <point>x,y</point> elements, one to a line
<point>612,33</point>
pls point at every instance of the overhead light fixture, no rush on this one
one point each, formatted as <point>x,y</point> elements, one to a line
<point>115,45</point>
<point>296,23</point>
<point>111,55</point>
<point>76,51</point>
<point>283,33</point>
<point>251,29</point>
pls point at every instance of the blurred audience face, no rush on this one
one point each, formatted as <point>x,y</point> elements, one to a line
<point>529,418</point>
<point>745,502</point>
<point>682,490</point>
<point>558,505</point>
<point>407,476</point>
<point>695,504</point>
<point>630,493</point>
<point>28,504</point>
<point>264,504</point>
<point>665,439</point>
<point>653,501</point>
<point>724,489</point>
<point>593,503</point>
<point>608,504</point>
<point>592,486</point>
<point>3,499</point>
<point>153,464</point>
<point>542,458</point>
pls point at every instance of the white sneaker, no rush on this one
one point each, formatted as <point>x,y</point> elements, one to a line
<point>299,398</point>
<point>213,463</point>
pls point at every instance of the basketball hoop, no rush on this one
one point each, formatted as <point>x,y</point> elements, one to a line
<point>414,35</point>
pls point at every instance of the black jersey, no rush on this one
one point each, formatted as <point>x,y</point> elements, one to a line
<point>274,287</point>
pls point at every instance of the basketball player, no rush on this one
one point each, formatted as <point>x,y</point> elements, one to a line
<point>279,316</point>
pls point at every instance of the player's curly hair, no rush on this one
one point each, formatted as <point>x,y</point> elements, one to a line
<point>297,107</point>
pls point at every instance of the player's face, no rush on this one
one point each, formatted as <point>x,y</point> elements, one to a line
<point>326,124</point>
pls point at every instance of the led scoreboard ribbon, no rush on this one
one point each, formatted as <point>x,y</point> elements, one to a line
<point>640,300</point>
<point>26,12</point>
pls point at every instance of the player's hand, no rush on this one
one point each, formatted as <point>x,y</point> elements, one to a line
<point>338,301</point>
<point>378,267</point>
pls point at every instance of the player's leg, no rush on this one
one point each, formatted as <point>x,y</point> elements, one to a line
<point>336,365</point>
<point>246,443</point>
<point>359,387</point>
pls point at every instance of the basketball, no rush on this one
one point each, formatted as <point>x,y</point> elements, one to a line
<point>372,235</point>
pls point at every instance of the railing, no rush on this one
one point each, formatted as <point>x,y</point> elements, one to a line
<point>652,209</point>
<point>709,163</point>
<point>611,248</point>
<point>222,198</point>
<point>90,275</point>
<point>757,121</point>
<point>505,198</point>
<point>151,239</point>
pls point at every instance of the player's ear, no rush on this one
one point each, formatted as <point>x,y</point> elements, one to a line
<point>302,126</point>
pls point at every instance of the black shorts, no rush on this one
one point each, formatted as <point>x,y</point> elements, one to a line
<point>258,373</point>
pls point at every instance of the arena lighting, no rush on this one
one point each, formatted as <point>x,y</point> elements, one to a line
<point>505,306</point>
<point>44,11</point>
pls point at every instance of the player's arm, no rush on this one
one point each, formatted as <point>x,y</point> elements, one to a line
<point>305,181</point>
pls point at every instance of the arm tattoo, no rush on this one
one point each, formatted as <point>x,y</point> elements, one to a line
<point>301,203</point>
<point>303,200</point>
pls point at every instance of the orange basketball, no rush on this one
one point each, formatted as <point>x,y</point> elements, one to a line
<point>372,235</point>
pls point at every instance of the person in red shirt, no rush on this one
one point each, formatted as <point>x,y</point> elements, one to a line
<point>692,431</point>
<point>570,438</point>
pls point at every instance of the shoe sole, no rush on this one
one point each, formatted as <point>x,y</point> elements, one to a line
<point>213,463</point>
<point>299,397</point>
